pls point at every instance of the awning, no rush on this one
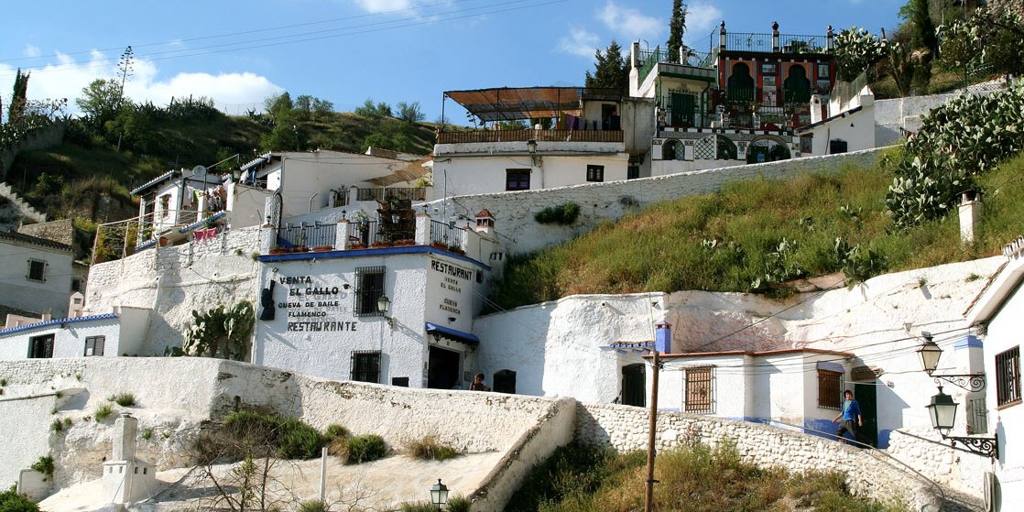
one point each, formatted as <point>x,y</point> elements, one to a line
<point>515,103</point>
<point>452,334</point>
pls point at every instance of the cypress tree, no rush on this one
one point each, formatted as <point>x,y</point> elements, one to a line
<point>923,34</point>
<point>676,29</point>
<point>610,70</point>
<point>19,98</point>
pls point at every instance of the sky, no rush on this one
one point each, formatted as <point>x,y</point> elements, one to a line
<point>345,51</point>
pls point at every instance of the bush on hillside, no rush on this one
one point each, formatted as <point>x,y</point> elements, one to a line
<point>365,448</point>
<point>455,504</point>
<point>957,142</point>
<point>258,433</point>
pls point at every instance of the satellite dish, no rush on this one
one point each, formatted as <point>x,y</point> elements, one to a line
<point>199,171</point>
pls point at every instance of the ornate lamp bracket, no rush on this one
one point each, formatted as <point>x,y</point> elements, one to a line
<point>986,446</point>
<point>973,382</point>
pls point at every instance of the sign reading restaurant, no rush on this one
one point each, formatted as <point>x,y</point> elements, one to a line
<point>453,279</point>
<point>315,307</point>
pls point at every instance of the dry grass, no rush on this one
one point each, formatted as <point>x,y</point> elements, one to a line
<point>429,448</point>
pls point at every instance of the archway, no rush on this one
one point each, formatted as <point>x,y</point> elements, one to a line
<point>726,148</point>
<point>797,88</point>
<point>767,148</point>
<point>741,84</point>
<point>672,150</point>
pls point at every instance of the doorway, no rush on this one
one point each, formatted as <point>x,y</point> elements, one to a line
<point>443,368</point>
<point>683,106</point>
<point>634,385</point>
<point>865,396</point>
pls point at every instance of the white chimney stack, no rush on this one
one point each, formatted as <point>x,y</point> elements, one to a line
<point>970,212</point>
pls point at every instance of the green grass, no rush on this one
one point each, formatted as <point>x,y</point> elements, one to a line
<point>123,399</point>
<point>103,412</point>
<point>730,240</point>
<point>577,478</point>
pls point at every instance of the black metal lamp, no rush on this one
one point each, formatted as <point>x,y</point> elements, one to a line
<point>942,412</point>
<point>383,305</point>
<point>439,494</point>
<point>930,353</point>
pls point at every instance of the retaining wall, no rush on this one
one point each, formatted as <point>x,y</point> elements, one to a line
<point>174,281</point>
<point>599,202</point>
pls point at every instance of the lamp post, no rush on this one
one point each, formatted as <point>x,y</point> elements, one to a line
<point>930,352</point>
<point>383,305</point>
<point>439,495</point>
<point>942,412</point>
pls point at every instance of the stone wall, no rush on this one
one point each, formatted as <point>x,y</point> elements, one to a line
<point>600,202</point>
<point>906,113</point>
<point>174,281</point>
<point>925,451</point>
<point>868,474</point>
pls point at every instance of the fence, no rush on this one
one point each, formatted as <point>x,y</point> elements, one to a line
<point>524,135</point>
<point>315,235</point>
<point>449,235</point>
<point>763,42</point>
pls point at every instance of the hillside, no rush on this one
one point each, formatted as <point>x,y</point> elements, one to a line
<point>87,177</point>
<point>753,236</point>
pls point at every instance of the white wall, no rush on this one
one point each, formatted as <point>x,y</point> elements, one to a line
<point>857,129</point>
<point>68,342</point>
<point>599,202</point>
<point>246,205</point>
<point>1004,333</point>
<point>18,291</point>
<point>318,172</point>
<point>731,384</point>
<point>559,347</point>
<point>479,174</point>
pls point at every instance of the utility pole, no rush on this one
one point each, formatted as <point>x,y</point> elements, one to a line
<point>651,433</point>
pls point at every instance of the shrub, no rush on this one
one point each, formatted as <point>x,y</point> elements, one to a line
<point>429,448</point>
<point>563,214</point>
<point>147,434</point>
<point>365,448</point>
<point>313,506</point>
<point>455,504</point>
<point>11,501</point>
<point>59,425</point>
<point>45,466</point>
<point>221,332</point>
<point>103,412</point>
<point>123,399</point>
<point>298,440</point>
<point>335,431</point>
<point>288,438</point>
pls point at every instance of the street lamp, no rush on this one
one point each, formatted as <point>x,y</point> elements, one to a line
<point>930,353</point>
<point>942,412</point>
<point>439,494</point>
<point>383,305</point>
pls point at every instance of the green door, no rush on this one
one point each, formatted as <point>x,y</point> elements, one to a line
<point>683,106</point>
<point>634,385</point>
<point>865,395</point>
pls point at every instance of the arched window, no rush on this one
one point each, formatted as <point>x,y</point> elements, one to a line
<point>797,88</point>
<point>672,150</point>
<point>505,381</point>
<point>741,84</point>
<point>726,148</point>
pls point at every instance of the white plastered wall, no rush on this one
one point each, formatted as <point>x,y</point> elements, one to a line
<point>18,291</point>
<point>478,174</point>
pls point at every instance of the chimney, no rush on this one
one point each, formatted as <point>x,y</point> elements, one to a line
<point>484,222</point>
<point>634,55</point>
<point>816,112</point>
<point>663,337</point>
<point>721,37</point>
<point>125,433</point>
<point>970,212</point>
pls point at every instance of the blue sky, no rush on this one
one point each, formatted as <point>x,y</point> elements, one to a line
<point>350,50</point>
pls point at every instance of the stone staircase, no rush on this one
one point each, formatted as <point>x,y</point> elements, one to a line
<point>14,210</point>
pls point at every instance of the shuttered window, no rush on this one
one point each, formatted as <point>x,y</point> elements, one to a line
<point>1008,377</point>
<point>366,367</point>
<point>830,392</point>
<point>369,288</point>
<point>700,390</point>
<point>94,345</point>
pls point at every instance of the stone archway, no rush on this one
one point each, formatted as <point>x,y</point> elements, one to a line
<point>768,148</point>
<point>672,149</point>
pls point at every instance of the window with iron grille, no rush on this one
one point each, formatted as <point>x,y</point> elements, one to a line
<point>1008,377</point>
<point>36,270</point>
<point>595,173</point>
<point>94,345</point>
<point>830,390</point>
<point>517,179</point>
<point>700,390</point>
<point>366,366</point>
<point>369,288</point>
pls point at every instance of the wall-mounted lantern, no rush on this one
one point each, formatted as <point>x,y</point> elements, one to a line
<point>930,353</point>
<point>942,412</point>
<point>439,494</point>
<point>383,305</point>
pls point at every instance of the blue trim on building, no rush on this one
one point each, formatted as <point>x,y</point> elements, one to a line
<point>969,341</point>
<point>831,366</point>
<point>377,251</point>
<point>883,439</point>
<point>455,334</point>
<point>57,321</point>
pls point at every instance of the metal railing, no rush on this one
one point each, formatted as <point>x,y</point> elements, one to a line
<point>791,43</point>
<point>375,234</point>
<point>448,235</point>
<point>649,60</point>
<point>386,194</point>
<point>763,42</point>
<point>307,235</point>
<point>524,135</point>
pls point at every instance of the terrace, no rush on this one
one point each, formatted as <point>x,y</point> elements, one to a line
<point>358,234</point>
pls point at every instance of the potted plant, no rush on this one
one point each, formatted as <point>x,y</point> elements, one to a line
<point>356,245</point>
<point>323,248</point>
<point>439,245</point>
<point>456,249</point>
<point>279,250</point>
<point>405,242</point>
<point>380,243</point>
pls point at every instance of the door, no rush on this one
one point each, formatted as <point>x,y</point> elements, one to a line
<point>682,109</point>
<point>443,368</point>
<point>634,385</point>
<point>865,396</point>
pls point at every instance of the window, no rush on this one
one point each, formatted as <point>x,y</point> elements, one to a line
<point>94,345</point>
<point>366,366</point>
<point>977,416</point>
<point>517,179</point>
<point>37,270</point>
<point>1008,377</point>
<point>505,381</point>
<point>400,381</point>
<point>369,288</point>
<point>700,390</point>
<point>76,284</point>
<point>830,389</point>
<point>632,172</point>
<point>40,347</point>
<point>836,146</point>
<point>595,173</point>
<point>165,205</point>
<point>807,143</point>
<point>823,73</point>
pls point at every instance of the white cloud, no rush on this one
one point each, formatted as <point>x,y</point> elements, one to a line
<point>579,42</point>
<point>376,6</point>
<point>702,16</point>
<point>630,23</point>
<point>31,51</point>
<point>66,78</point>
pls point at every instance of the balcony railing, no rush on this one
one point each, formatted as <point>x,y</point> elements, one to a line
<point>762,42</point>
<point>310,236</point>
<point>386,194</point>
<point>524,135</point>
<point>649,60</point>
<point>445,234</point>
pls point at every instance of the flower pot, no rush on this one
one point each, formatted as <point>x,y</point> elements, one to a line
<point>278,250</point>
<point>323,248</point>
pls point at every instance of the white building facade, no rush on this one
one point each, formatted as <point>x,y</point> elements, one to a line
<point>117,333</point>
<point>36,274</point>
